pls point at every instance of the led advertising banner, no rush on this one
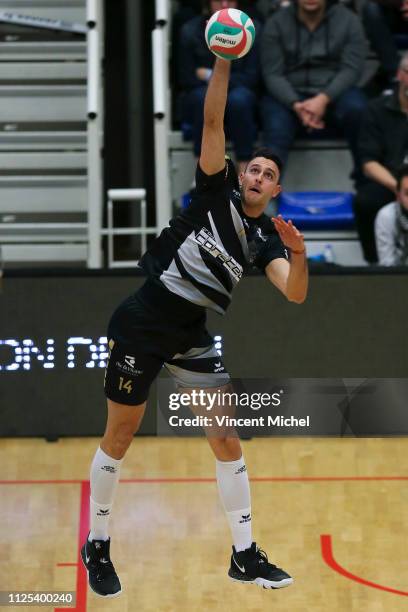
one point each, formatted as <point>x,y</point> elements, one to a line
<point>53,347</point>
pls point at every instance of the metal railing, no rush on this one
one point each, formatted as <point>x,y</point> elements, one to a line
<point>126,195</point>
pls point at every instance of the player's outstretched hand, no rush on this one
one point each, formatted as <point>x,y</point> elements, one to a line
<point>289,234</point>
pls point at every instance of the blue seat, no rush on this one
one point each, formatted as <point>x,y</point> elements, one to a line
<point>318,209</point>
<point>187,131</point>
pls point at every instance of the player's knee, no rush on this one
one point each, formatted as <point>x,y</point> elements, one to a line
<point>226,448</point>
<point>117,441</point>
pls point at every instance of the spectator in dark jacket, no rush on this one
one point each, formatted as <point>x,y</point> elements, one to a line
<point>383,148</point>
<point>312,56</point>
<point>195,64</point>
<point>381,20</point>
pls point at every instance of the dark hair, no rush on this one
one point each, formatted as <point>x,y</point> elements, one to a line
<point>402,172</point>
<point>241,4</point>
<point>269,154</point>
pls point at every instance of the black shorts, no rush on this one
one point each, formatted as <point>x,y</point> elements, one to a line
<point>155,328</point>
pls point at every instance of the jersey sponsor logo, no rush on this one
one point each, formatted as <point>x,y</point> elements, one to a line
<point>260,234</point>
<point>207,241</point>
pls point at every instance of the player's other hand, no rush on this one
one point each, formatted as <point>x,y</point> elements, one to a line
<point>289,234</point>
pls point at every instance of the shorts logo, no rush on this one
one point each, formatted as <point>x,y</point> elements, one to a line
<point>130,360</point>
<point>218,367</point>
<point>129,366</point>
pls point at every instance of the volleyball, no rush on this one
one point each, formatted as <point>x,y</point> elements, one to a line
<point>230,34</point>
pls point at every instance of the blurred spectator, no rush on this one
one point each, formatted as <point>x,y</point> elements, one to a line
<point>312,56</point>
<point>382,19</point>
<point>391,226</point>
<point>187,10</point>
<point>251,8</point>
<point>383,148</point>
<point>195,64</point>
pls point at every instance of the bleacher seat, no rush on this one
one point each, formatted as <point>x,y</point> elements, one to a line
<point>43,136</point>
<point>318,209</point>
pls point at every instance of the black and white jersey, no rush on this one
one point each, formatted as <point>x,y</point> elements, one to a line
<point>202,255</point>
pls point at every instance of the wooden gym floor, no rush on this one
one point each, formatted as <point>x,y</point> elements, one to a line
<point>333,512</point>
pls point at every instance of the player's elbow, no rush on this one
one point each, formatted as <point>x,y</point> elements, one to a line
<point>296,299</point>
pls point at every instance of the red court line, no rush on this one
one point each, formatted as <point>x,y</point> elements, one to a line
<point>40,482</point>
<point>327,554</point>
<point>82,579</point>
<point>269,479</point>
<point>199,480</point>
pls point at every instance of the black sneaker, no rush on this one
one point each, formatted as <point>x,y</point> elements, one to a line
<point>252,566</point>
<point>102,577</point>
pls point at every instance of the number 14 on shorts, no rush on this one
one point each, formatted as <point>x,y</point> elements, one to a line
<point>125,386</point>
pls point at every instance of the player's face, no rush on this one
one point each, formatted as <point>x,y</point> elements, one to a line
<point>260,182</point>
<point>403,193</point>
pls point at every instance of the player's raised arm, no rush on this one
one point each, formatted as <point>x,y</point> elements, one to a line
<point>212,157</point>
<point>292,279</point>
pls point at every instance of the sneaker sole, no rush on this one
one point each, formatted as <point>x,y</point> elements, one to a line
<point>111,596</point>
<point>266,584</point>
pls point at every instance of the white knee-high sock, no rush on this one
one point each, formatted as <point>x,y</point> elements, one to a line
<point>233,488</point>
<point>104,479</point>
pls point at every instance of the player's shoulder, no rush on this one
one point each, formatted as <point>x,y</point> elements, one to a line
<point>230,168</point>
<point>225,178</point>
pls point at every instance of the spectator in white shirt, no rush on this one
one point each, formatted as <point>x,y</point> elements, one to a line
<point>391,226</point>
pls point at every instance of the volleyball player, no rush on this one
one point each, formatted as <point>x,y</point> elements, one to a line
<point>193,265</point>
